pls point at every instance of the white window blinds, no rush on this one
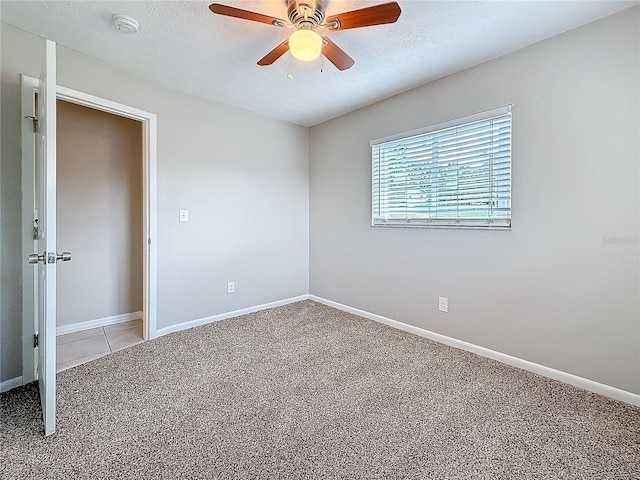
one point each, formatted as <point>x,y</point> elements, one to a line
<point>455,174</point>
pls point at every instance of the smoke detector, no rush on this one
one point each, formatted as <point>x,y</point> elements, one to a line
<point>125,23</point>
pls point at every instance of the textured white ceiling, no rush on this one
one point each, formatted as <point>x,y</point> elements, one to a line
<point>181,44</point>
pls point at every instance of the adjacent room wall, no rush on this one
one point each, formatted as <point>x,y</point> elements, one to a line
<point>243,177</point>
<point>99,214</point>
<point>562,288</point>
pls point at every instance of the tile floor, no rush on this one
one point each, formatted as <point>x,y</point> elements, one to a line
<point>77,348</point>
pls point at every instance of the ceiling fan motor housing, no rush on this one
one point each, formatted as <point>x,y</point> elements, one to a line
<point>304,12</point>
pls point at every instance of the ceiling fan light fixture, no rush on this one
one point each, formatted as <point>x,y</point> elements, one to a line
<point>305,44</point>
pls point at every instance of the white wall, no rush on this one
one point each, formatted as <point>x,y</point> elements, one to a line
<point>562,288</point>
<point>99,214</point>
<point>243,177</point>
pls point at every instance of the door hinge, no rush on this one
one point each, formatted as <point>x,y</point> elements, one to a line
<point>35,340</point>
<point>35,229</point>
<point>34,121</point>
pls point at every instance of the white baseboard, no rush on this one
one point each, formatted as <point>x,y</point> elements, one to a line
<point>224,316</point>
<point>98,322</point>
<point>580,382</point>
<point>10,384</point>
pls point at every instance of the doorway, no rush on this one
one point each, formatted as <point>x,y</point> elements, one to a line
<point>146,239</point>
<point>98,219</point>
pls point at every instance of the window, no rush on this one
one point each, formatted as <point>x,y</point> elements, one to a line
<point>455,174</point>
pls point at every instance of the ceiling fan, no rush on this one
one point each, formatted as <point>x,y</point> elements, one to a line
<point>308,16</point>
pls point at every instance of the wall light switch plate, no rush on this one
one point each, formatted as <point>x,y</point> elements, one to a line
<point>184,215</point>
<point>443,304</point>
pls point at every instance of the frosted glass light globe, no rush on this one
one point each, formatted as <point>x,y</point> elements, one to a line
<point>305,44</point>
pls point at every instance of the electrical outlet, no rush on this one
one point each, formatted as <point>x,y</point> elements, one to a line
<point>443,304</point>
<point>231,287</point>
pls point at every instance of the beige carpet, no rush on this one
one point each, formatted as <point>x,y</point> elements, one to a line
<point>305,391</point>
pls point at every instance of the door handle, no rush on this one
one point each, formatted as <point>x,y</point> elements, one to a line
<point>64,256</point>
<point>35,258</point>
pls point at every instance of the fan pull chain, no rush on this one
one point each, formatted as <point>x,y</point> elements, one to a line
<point>289,75</point>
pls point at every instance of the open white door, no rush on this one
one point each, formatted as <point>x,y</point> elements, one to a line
<point>45,192</point>
<point>39,210</point>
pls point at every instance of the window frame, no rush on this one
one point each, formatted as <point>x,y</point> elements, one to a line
<point>481,223</point>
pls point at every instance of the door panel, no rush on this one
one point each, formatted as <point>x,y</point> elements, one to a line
<point>46,197</point>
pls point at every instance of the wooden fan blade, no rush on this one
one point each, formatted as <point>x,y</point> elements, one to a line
<point>274,54</point>
<point>336,55</point>
<point>365,17</point>
<point>245,14</point>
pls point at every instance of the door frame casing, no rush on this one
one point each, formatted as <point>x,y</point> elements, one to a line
<point>150,208</point>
